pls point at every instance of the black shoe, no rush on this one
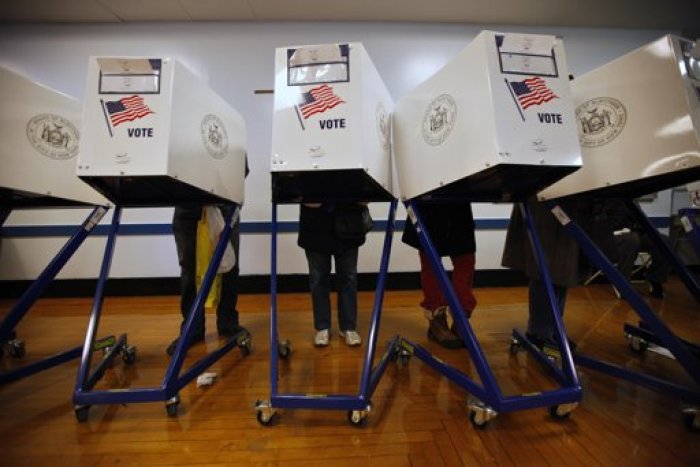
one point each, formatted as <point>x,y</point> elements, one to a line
<point>173,345</point>
<point>656,289</point>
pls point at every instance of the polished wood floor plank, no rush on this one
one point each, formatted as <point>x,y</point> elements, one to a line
<point>418,419</point>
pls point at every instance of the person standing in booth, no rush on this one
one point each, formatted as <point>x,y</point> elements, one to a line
<point>333,231</point>
<point>561,254</point>
<point>185,220</point>
<point>451,229</point>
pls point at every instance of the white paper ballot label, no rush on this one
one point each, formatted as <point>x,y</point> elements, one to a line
<point>121,66</point>
<point>531,44</point>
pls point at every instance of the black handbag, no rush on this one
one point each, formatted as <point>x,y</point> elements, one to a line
<point>352,222</point>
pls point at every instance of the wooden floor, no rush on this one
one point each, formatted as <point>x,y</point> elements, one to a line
<point>419,418</point>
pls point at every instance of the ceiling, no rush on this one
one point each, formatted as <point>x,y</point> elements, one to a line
<point>680,15</point>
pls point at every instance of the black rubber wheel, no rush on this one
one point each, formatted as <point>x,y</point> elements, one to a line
<point>356,418</point>
<point>689,421</point>
<point>514,348</point>
<point>81,413</point>
<point>554,413</point>
<point>263,420</point>
<point>17,350</point>
<point>283,350</point>
<point>480,424</point>
<point>129,355</point>
<point>172,409</point>
<point>245,349</point>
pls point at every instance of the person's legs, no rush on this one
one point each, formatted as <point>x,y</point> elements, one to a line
<point>659,269</point>
<point>319,284</point>
<point>435,307</point>
<point>226,312</point>
<point>433,297</point>
<point>627,250</point>
<point>541,326</point>
<point>185,232</point>
<point>463,281</point>
<point>346,273</point>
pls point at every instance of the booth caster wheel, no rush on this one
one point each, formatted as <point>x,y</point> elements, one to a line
<point>81,412</point>
<point>266,415</point>
<point>404,357</point>
<point>638,345</point>
<point>691,418</point>
<point>480,414</point>
<point>172,405</point>
<point>284,348</point>
<point>17,349</point>
<point>562,411</point>
<point>245,345</point>
<point>515,346</point>
<point>129,354</point>
<point>359,417</point>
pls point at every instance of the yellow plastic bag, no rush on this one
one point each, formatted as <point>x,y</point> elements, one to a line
<point>205,249</point>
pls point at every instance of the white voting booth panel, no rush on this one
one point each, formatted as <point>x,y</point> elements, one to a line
<point>331,126</point>
<point>639,122</point>
<point>496,122</point>
<point>39,130</point>
<point>154,134</point>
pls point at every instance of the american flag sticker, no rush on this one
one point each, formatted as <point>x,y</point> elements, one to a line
<point>316,101</point>
<point>126,109</point>
<point>532,91</point>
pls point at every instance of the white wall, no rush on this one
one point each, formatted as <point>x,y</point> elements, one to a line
<point>236,59</point>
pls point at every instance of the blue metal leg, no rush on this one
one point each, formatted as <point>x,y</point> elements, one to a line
<point>39,285</point>
<point>357,404</point>
<point>274,337</point>
<point>566,357</point>
<point>668,253</point>
<point>684,356</point>
<point>30,296</point>
<point>173,381</point>
<point>489,391</point>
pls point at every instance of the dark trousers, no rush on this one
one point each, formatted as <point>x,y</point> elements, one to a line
<point>320,285</point>
<point>185,222</point>
<point>630,244</point>
<point>541,320</point>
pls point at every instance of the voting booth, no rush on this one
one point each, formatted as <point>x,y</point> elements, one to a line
<point>331,142</point>
<point>331,125</point>
<point>496,123</point>
<point>154,134</point>
<point>638,119</point>
<point>40,133</point>
<point>39,130</point>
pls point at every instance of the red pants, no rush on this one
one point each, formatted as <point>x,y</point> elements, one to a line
<point>462,280</point>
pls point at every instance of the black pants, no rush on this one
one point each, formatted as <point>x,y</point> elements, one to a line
<point>185,221</point>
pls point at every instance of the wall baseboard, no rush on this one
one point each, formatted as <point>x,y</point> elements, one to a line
<point>286,283</point>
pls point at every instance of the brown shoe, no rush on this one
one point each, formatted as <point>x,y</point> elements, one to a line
<point>440,332</point>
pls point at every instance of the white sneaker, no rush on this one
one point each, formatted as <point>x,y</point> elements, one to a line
<point>352,338</point>
<point>321,338</point>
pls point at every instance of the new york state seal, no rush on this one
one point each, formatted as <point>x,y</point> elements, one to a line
<point>214,136</point>
<point>600,120</point>
<point>439,119</point>
<point>53,136</point>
